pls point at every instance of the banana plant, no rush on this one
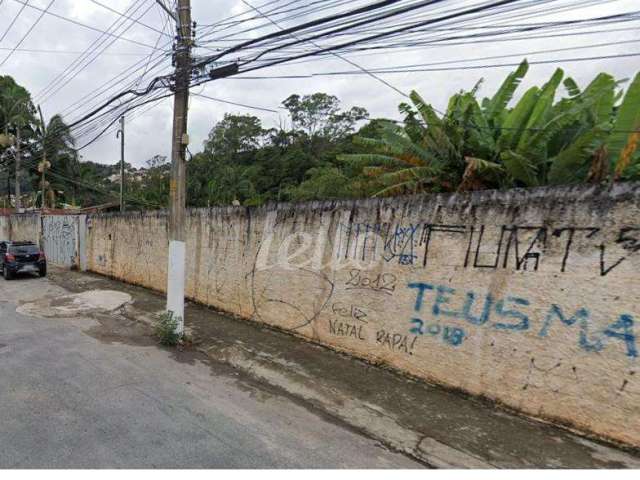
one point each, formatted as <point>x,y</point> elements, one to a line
<point>539,140</point>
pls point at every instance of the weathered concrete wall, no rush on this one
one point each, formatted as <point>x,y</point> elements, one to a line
<point>526,297</point>
<point>5,227</point>
<point>62,237</point>
<point>25,227</point>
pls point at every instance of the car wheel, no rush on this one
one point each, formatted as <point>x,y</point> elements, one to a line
<point>8,275</point>
<point>43,272</point>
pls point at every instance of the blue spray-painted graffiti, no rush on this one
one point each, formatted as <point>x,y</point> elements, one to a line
<point>509,314</point>
<point>451,335</point>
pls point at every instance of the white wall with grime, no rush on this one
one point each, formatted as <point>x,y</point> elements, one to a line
<point>5,227</point>
<point>529,298</point>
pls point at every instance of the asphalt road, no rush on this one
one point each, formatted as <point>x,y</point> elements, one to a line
<point>72,397</point>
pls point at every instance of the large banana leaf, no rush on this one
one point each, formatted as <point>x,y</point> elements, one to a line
<point>478,133</point>
<point>540,113</point>
<point>439,143</point>
<point>600,93</point>
<point>516,120</point>
<point>395,136</point>
<point>572,87</point>
<point>567,114</point>
<point>380,145</point>
<point>626,123</point>
<point>397,189</point>
<point>399,176</point>
<point>365,159</point>
<point>503,96</point>
<point>572,164</point>
<point>520,168</point>
<point>427,112</point>
<point>478,172</point>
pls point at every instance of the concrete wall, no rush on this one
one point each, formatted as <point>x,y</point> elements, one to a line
<point>62,237</point>
<point>5,227</point>
<point>20,227</point>
<point>529,298</point>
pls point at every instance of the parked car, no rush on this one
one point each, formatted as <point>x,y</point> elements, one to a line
<point>18,257</point>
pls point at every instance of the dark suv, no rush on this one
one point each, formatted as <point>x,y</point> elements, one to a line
<point>17,257</point>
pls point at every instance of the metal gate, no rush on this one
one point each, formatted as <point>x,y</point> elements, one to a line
<point>61,239</point>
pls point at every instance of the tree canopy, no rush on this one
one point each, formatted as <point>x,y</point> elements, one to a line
<point>554,133</point>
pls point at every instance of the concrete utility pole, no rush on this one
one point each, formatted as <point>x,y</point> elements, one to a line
<point>18,202</point>
<point>177,188</point>
<point>121,135</point>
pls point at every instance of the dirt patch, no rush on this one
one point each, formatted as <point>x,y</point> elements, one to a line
<point>115,329</point>
<point>77,304</point>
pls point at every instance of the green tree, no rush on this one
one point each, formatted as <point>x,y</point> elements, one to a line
<point>17,120</point>
<point>234,135</point>
<point>151,189</point>
<point>243,161</point>
<point>319,114</point>
<point>57,146</point>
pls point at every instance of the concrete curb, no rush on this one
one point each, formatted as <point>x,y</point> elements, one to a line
<point>366,418</point>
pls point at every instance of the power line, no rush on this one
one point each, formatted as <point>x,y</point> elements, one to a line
<point>382,35</point>
<point>129,18</point>
<point>86,53</point>
<point>313,23</point>
<point>109,84</point>
<point>146,67</point>
<point>80,24</point>
<point>475,67</point>
<point>384,82</point>
<point>288,59</point>
<point>234,103</point>
<point>69,52</point>
<point>13,21</point>
<point>495,57</point>
<point>84,61</point>
<point>28,32</point>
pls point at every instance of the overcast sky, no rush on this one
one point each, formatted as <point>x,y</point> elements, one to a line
<point>150,133</point>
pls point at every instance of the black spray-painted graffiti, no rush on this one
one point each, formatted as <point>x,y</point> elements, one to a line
<point>396,342</point>
<point>382,282</point>
<point>350,311</point>
<point>519,247</point>
<point>346,329</point>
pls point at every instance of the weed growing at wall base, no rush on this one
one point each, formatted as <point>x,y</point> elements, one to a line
<point>165,329</point>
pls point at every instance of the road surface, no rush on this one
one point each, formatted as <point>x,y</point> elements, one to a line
<point>76,394</point>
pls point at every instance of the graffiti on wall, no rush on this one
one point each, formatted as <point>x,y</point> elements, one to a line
<point>518,247</point>
<point>442,313</point>
<point>511,313</point>
<point>60,239</point>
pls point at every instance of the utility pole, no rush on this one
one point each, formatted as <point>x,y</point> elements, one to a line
<point>121,135</point>
<point>177,188</point>
<point>17,186</point>
<point>44,164</point>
